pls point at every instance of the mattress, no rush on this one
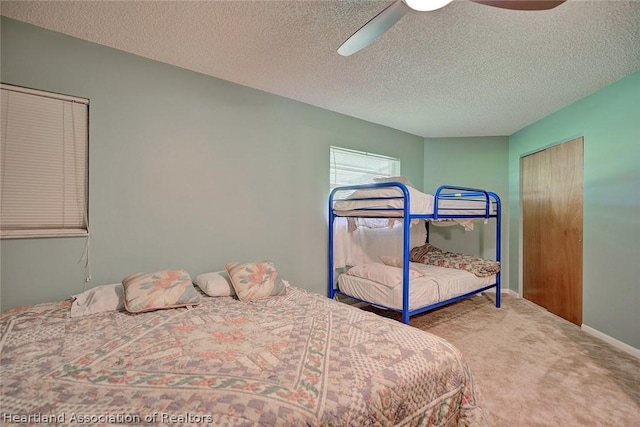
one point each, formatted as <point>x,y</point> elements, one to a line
<point>421,204</point>
<point>295,360</point>
<point>435,285</point>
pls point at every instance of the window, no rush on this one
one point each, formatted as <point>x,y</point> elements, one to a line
<point>43,164</point>
<point>351,167</point>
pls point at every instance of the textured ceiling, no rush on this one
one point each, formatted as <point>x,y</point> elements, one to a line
<point>464,70</point>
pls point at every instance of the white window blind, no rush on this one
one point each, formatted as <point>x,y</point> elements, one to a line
<point>44,164</point>
<point>351,167</point>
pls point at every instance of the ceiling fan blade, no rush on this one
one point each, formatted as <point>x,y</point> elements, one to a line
<point>522,4</point>
<point>374,28</point>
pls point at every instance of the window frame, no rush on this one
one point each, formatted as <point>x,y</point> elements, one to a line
<point>366,173</point>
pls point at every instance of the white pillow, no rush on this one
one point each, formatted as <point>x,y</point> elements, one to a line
<point>216,284</point>
<point>396,262</point>
<point>402,179</point>
<point>381,273</point>
<point>98,300</point>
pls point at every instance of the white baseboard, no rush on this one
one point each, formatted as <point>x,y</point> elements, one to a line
<point>614,342</point>
<point>503,291</point>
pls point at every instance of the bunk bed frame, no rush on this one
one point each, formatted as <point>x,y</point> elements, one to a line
<point>491,209</point>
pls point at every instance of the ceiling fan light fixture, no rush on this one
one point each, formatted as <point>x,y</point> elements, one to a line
<point>426,5</point>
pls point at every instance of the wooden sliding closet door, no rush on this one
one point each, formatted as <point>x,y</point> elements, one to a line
<point>552,229</point>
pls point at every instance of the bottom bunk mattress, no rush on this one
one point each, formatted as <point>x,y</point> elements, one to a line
<point>382,284</point>
<point>298,359</point>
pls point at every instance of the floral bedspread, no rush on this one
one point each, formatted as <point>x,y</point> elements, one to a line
<point>294,360</point>
<point>429,254</point>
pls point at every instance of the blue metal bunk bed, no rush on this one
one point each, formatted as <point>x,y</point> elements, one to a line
<point>445,194</point>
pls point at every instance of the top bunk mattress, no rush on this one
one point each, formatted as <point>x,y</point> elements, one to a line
<point>389,202</point>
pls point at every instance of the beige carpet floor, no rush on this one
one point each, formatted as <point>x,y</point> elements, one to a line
<point>535,369</point>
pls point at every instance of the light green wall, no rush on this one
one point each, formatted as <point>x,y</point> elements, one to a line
<point>480,162</point>
<point>609,120</point>
<point>186,171</point>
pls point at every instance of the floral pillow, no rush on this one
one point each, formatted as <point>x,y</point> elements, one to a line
<point>255,280</point>
<point>419,253</point>
<point>154,291</point>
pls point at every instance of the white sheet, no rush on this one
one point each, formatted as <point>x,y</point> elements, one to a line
<point>437,284</point>
<point>368,244</point>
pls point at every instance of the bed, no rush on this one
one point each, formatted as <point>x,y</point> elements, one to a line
<point>296,359</point>
<point>406,286</point>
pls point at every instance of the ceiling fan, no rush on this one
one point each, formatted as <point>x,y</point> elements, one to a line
<point>396,10</point>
